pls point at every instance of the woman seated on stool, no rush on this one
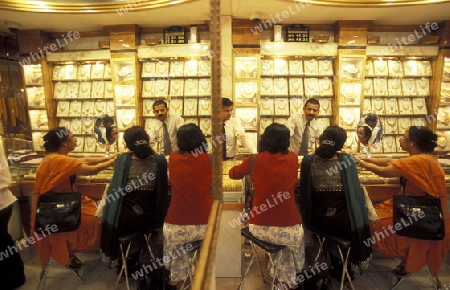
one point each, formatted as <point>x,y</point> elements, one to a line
<point>424,175</point>
<point>142,176</point>
<point>190,206</point>
<point>53,174</point>
<point>274,216</point>
<point>332,198</point>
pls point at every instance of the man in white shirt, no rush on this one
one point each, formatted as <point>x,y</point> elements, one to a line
<point>297,124</point>
<point>233,130</point>
<point>165,131</point>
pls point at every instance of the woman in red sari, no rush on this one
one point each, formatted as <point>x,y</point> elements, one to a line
<point>53,174</point>
<point>424,175</point>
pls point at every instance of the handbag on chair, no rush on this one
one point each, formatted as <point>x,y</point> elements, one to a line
<point>62,209</point>
<point>419,216</point>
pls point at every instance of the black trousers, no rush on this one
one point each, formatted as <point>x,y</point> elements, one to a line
<point>12,272</point>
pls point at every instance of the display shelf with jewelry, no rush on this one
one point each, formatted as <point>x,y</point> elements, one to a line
<point>190,107</point>
<point>161,88</point>
<point>395,87</point>
<point>295,87</point>
<point>311,67</point>
<point>311,86</point>
<point>280,87</point>
<point>110,108</point>
<point>204,87</point>
<point>64,123</point>
<point>125,95</point>
<point>325,106</point>
<point>281,106</point>
<point>350,94</point>
<point>282,121</point>
<point>60,90</point>
<point>99,108</point>
<point>280,66</point>
<point>191,68</point>
<point>445,92</point>
<point>205,125</point>
<point>419,106</point>
<point>351,67</point>
<point>176,106</point>
<point>390,125</point>
<point>90,145</point>
<point>395,68</point>
<point>124,71</point>
<point>295,104</point>
<point>70,72</point>
<point>97,71</point>
<point>409,87</point>
<point>84,90</point>
<point>204,107</point>
<point>389,144</point>
<point>248,117</point>
<point>348,117</point>
<point>380,67</point>
<point>147,108</point>
<point>296,67</point>
<point>38,119</point>
<point>75,126</point>
<point>148,69</point>
<point>72,90</point>
<point>75,109</point>
<point>326,67</point>
<point>84,72</point>
<point>80,145</point>
<point>405,106</point>
<point>418,121</point>
<point>176,68</point>
<point>380,86</point>
<point>87,108</point>
<point>126,118</point>
<point>423,86</point>
<point>266,67</point>
<point>391,106</point>
<point>368,87</point>
<point>266,107</point>
<point>245,92</point>
<point>369,71</point>
<point>98,90</point>
<point>325,87</point>
<point>191,87</point>
<point>148,89</point>
<point>88,124</point>
<point>264,123</point>
<point>204,68</point>
<point>62,109</point>
<point>378,106</point>
<point>35,96</point>
<point>245,66</point>
<point>443,117</point>
<point>403,124</point>
<point>367,105</point>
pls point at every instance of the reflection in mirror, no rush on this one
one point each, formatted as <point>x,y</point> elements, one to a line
<point>105,133</point>
<point>369,133</point>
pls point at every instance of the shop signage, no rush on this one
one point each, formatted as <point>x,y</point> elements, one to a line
<point>297,33</point>
<point>175,35</point>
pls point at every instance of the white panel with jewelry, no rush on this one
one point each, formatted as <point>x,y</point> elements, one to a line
<point>380,68</point>
<point>403,124</point>
<point>126,118</point>
<point>348,117</point>
<point>60,90</point>
<point>108,90</point>
<point>296,87</point>
<point>88,125</point>
<point>368,87</point>
<point>311,86</point>
<point>405,106</point>
<point>75,126</point>
<point>70,72</point>
<point>296,67</point>
<point>409,87</point>
<point>176,88</point>
<point>204,107</point>
<point>378,105</point>
<point>267,67</point>
<point>75,109</point>
<point>367,105</point>
<point>410,68</point>
<point>110,108</point>
<point>64,123</point>
<point>191,120</point>
<point>36,96</point>
<point>325,67</point>
<point>62,109</point>
<point>107,72</point>
<point>280,66</point>
<point>205,126</point>
<point>161,88</point>
<point>176,68</point>
<point>190,107</point>
<point>84,72</point>
<point>325,87</point>
<point>84,91</point>
<point>147,109</point>
<point>266,107</point>
<point>99,108</point>
<point>204,87</point>
<point>191,68</point>
<point>311,66</point>
<point>395,87</point>
<point>280,87</point>
<point>90,145</point>
<point>424,68</point>
<point>125,95</point>
<point>419,106</point>
<point>38,140</point>
<point>162,68</point>
<point>72,90</point>
<point>369,68</point>
<point>176,106</point>
<point>148,69</point>
<point>97,71</point>
<point>80,144</point>
<point>204,68</point>
<point>264,123</point>
<point>391,106</point>
<point>148,89</point>
<point>88,109</point>
<point>281,106</point>
<point>58,73</point>
<point>423,87</point>
<point>191,87</point>
<point>391,126</point>
<point>389,144</point>
<point>395,68</point>
<point>325,106</point>
<point>295,105</point>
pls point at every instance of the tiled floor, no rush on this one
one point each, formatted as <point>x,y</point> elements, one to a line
<point>99,277</point>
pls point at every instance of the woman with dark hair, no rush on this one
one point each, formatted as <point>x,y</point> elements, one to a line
<point>274,216</point>
<point>112,134</point>
<point>363,133</point>
<point>187,218</point>
<point>332,199</point>
<point>421,174</point>
<point>140,176</point>
<point>53,174</point>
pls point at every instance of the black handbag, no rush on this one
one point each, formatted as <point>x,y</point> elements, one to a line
<point>62,209</point>
<point>420,217</point>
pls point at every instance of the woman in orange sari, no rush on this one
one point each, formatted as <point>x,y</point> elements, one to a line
<point>53,174</point>
<point>424,175</point>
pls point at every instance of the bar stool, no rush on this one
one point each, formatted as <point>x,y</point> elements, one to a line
<point>436,282</point>
<point>44,273</point>
<point>268,248</point>
<point>344,248</point>
<point>125,242</point>
<point>190,247</point>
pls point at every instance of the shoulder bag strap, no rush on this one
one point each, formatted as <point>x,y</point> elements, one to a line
<point>72,181</point>
<point>252,164</point>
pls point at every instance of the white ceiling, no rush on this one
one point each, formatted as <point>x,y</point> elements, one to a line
<point>197,12</point>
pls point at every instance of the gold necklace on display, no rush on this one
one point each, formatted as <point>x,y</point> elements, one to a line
<point>378,104</point>
<point>127,118</point>
<point>204,105</point>
<point>205,124</point>
<point>325,104</point>
<point>62,106</point>
<point>325,66</point>
<point>267,105</point>
<point>76,125</point>
<point>175,104</point>
<point>311,66</point>
<point>348,117</point>
<point>190,105</point>
<point>381,67</point>
<point>99,107</point>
